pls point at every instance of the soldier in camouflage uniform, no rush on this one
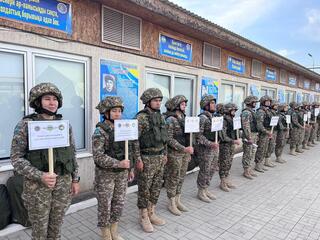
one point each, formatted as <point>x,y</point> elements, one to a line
<point>295,128</point>
<point>318,121</point>
<point>308,127</point>
<point>249,136</point>
<point>264,129</point>
<point>111,171</point>
<point>302,131</point>
<point>272,142</point>
<point>219,110</point>
<point>46,196</point>
<point>153,150</point>
<point>179,152</point>
<point>206,149</point>
<point>227,146</point>
<point>282,132</point>
<point>314,123</point>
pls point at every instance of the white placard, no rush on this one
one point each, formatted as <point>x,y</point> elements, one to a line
<point>305,117</point>
<point>288,119</point>
<point>125,130</point>
<point>48,134</point>
<point>316,112</point>
<point>309,115</point>
<point>192,124</point>
<point>236,123</point>
<point>274,121</point>
<point>216,124</point>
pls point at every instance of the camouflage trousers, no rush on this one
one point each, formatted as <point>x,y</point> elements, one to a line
<point>281,142</point>
<point>294,138</point>
<point>208,162</point>
<point>307,133</point>
<point>249,151</point>
<point>225,158</point>
<point>314,131</point>
<point>271,144</point>
<point>110,188</point>
<point>301,135</point>
<point>150,179</point>
<point>175,171</point>
<point>318,131</point>
<point>46,207</point>
<point>263,141</point>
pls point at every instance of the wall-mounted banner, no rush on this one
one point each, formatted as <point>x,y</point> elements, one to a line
<point>271,74</point>
<point>299,97</point>
<point>122,80</point>
<point>306,84</point>
<point>209,86</point>
<point>292,81</point>
<point>236,64</point>
<point>281,96</point>
<point>175,48</point>
<point>53,14</point>
<point>254,90</point>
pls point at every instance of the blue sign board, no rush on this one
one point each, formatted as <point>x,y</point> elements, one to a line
<point>271,74</point>
<point>46,13</point>
<point>236,65</point>
<point>174,48</point>
<point>122,80</point>
<point>209,86</point>
<point>306,84</point>
<point>292,81</point>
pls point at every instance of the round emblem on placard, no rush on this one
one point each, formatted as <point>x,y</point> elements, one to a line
<point>61,127</point>
<point>62,8</point>
<point>37,128</point>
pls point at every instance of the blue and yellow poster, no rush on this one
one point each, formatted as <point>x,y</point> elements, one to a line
<point>209,86</point>
<point>236,65</point>
<point>122,80</point>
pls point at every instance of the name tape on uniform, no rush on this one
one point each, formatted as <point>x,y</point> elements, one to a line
<point>288,119</point>
<point>192,124</point>
<point>48,134</point>
<point>274,121</point>
<point>236,123</point>
<point>125,130</point>
<point>216,124</point>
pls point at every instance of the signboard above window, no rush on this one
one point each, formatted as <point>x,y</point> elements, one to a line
<point>174,48</point>
<point>236,65</point>
<point>306,84</point>
<point>271,74</point>
<point>52,14</point>
<point>292,81</point>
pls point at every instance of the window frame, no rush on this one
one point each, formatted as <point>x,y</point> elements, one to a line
<point>255,60</point>
<point>233,84</point>
<point>268,90</point>
<point>203,55</point>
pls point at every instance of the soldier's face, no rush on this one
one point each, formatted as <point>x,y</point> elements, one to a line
<point>286,109</point>
<point>155,103</point>
<point>115,113</point>
<point>183,106</point>
<point>212,106</point>
<point>50,103</point>
<point>267,103</point>
<point>253,104</point>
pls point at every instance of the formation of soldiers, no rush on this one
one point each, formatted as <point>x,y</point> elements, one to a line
<point>161,153</point>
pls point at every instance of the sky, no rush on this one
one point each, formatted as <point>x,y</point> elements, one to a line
<point>290,28</point>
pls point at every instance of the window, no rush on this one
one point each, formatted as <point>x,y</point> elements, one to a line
<point>211,55</point>
<point>172,84</point>
<point>120,29</point>
<point>316,98</point>
<point>305,97</point>
<point>271,92</point>
<point>290,96</point>
<point>283,76</point>
<point>306,84</point>
<point>233,92</point>
<point>256,68</point>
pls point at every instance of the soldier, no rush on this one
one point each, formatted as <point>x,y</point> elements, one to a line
<point>295,128</point>
<point>227,146</point>
<point>46,196</point>
<point>307,132</point>
<point>219,110</point>
<point>301,113</point>
<point>153,149</point>
<point>111,171</point>
<point>282,132</point>
<point>272,142</point>
<point>206,149</point>
<point>250,135</point>
<point>178,152</point>
<point>263,127</point>
<point>314,123</point>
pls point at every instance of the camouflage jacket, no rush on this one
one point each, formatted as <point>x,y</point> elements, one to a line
<point>205,126</point>
<point>19,149</point>
<point>248,122</point>
<point>228,134</point>
<point>294,119</point>
<point>282,123</point>
<point>263,120</point>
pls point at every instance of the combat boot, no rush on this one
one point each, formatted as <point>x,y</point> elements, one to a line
<point>292,152</point>
<point>267,162</point>
<point>280,160</point>
<point>209,194</point>
<point>106,233</point>
<point>145,221</point>
<point>179,204</point>
<point>318,138</point>
<point>299,150</point>
<point>304,146</point>
<point>314,142</point>
<point>229,183</point>
<point>114,232</point>
<point>173,207</point>
<point>310,144</point>
<point>223,185</point>
<point>154,218</point>
<point>203,196</point>
<point>252,172</point>
<point>247,174</point>
<point>258,167</point>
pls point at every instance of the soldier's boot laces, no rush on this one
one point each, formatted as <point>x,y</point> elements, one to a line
<point>252,172</point>
<point>280,160</point>
<point>292,152</point>
<point>299,150</point>
<point>106,233</point>
<point>210,194</point>
<point>145,221</point>
<point>203,196</point>
<point>230,184</point>
<point>267,162</point>
<point>258,167</point>
<point>173,207</point>
<point>180,205</point>
<point>114,232</point>
<point>154,218</point>
<point>304,146</point>
<point>223,185</point>
<point>310,144</point>
<point>247,174</point>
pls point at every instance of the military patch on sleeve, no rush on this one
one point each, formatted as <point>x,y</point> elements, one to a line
<point>97,132</point>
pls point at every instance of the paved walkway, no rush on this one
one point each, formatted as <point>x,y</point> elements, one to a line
<point>283,203</point>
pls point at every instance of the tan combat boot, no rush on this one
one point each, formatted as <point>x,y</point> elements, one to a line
<point>145,221</point>
<point>223,185</point>
<point>203,196</point>
<point>154,219</point>
<point>173,207</point>
<point>247,174</point>
<point>268,163</point>
<point>114,232</point>
<point>258,167</point>
<point>314,142</point>
<point>304,146</point>
<point>299,150</point>
<point>310,144</point>
<point>106,233</point>
<point>210,194</point>
<point>229,183</point>
<point>280,160</point>
<point>252,172</point>
<point>292,152</point>
<point>180,205</point>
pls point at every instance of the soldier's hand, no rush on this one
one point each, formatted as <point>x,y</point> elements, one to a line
<point>49,179</point>
<point>269,135</point>
<point>249,141</point>
<point>165,160</point>
<point>124,164</point>
<point>75,188</point>
<point>188,150</point>
<point>237,142</point>
<point>215,145</point>
<point>131,175</point>
<point>139,165</point>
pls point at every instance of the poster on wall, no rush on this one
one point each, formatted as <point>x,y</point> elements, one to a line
<point>254,90</point>
<point>209,86</point>
<point>271,74</point>
<point>299,97</point>
<point>174,48</point>
<point>122,80</point>
<point>281,96</point>
<point>52,14</point>
<point>236,64</point>
<point>292,81</point>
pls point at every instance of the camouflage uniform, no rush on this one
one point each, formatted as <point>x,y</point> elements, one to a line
<point>314,123</point>
<point>250,135</point>
<point>282,133</point>
<point>308,128</point>
<point>295,128</point>
<point>302,131</point>
<point>46,206</point>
